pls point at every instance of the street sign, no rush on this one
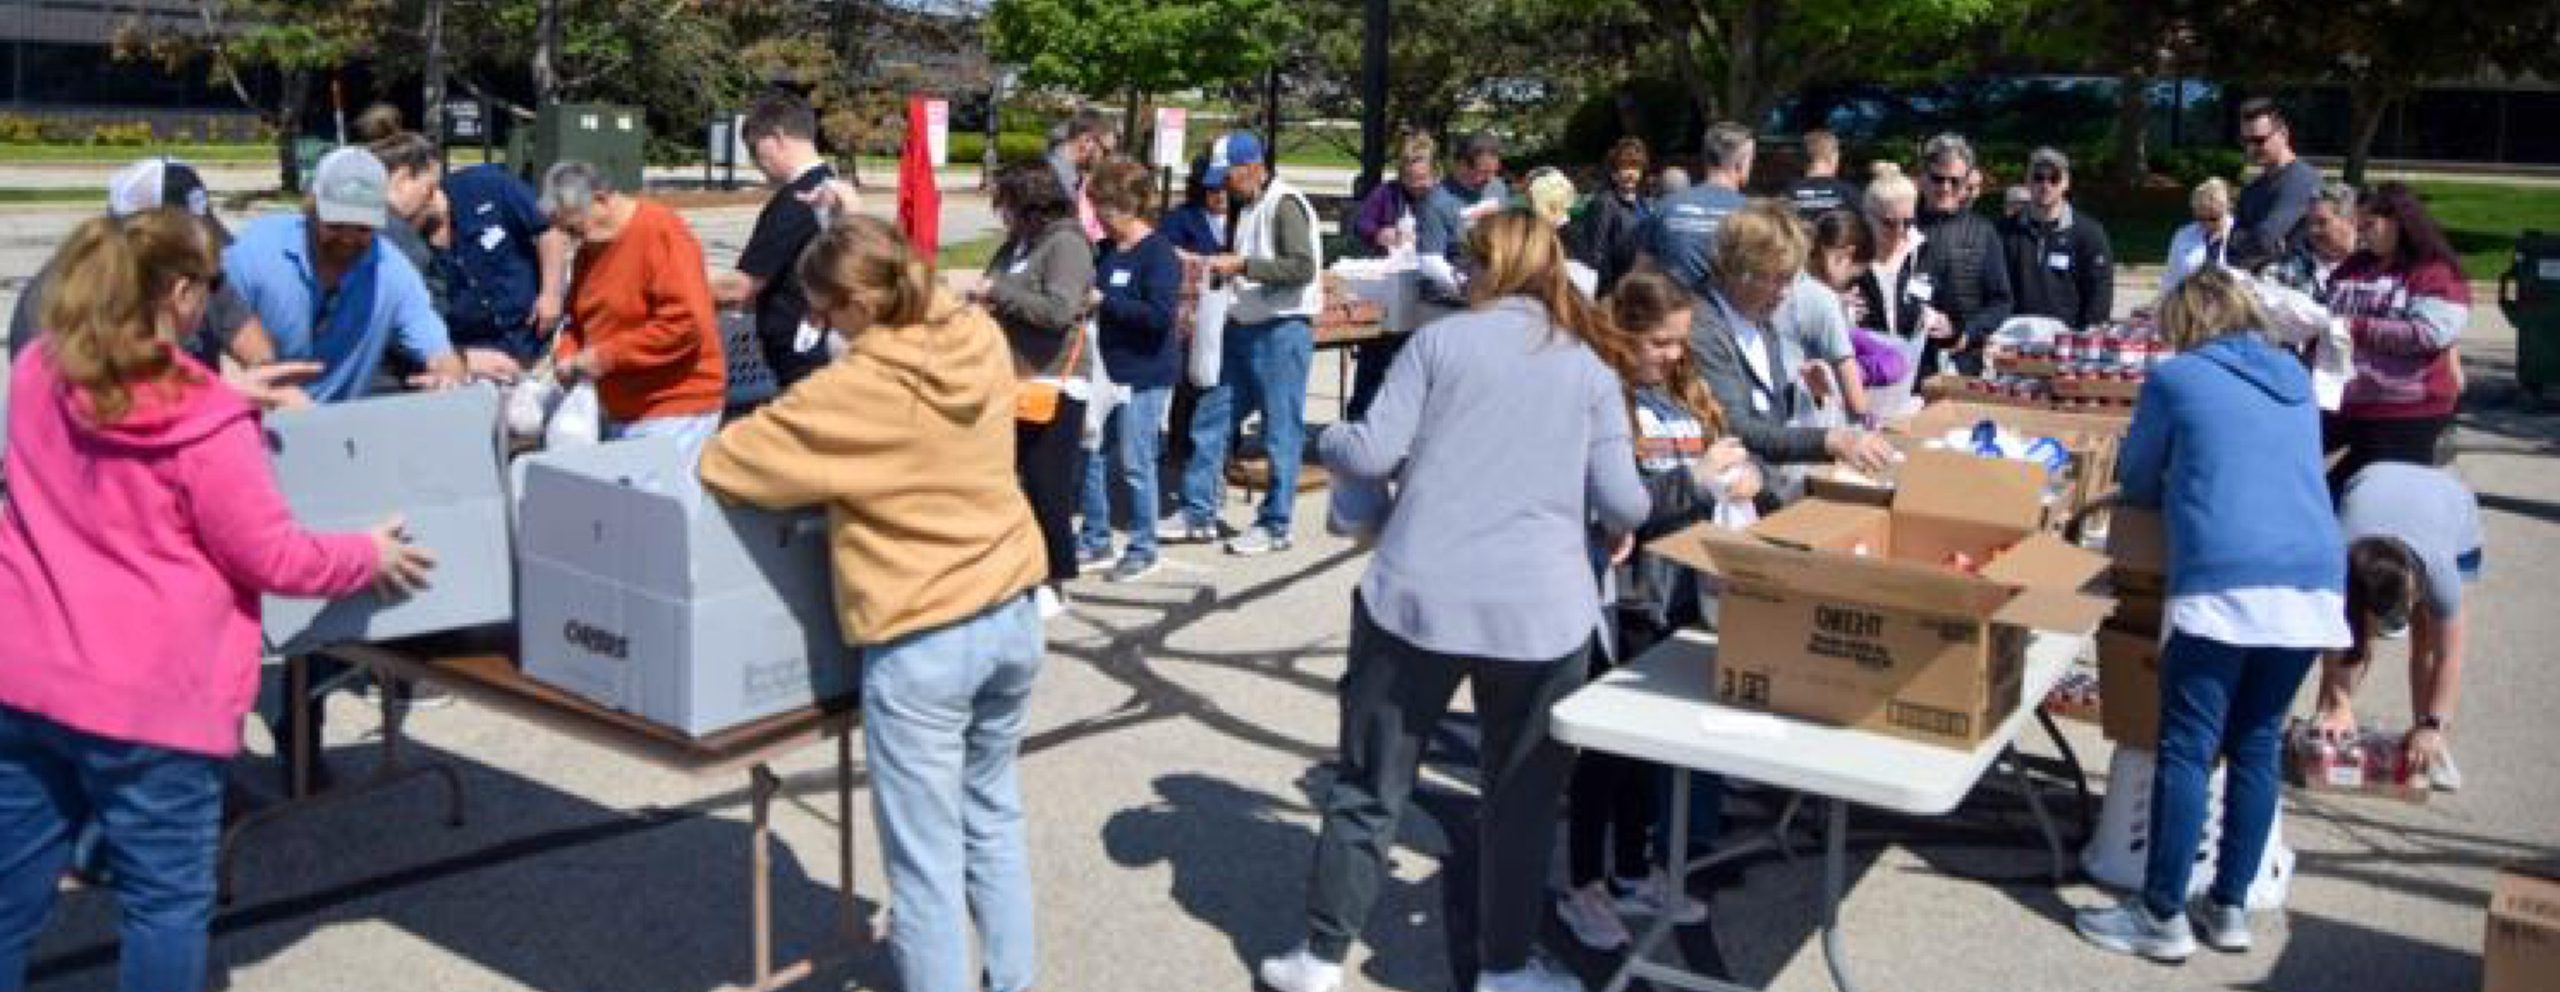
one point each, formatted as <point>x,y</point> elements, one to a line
<point>1171,122</point>
<point>462,121</point>
<point>937,122</point>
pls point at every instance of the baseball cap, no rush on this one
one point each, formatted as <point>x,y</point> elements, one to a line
<point>154,183</point>
<point>351,187</point>
<point>2049,158</point>
<point>1232,149</point>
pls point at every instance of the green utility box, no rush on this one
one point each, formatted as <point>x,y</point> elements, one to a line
<point>612,138</point>
<point>2530,295</point>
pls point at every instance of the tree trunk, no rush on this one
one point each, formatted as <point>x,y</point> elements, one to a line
<point>1684,58</point>
<point>431,117</point>
<point>297,92</point>
<point>1133,128</point>
<point>546,54</point>
<point>2367,107</point>
<point>2133,127</point>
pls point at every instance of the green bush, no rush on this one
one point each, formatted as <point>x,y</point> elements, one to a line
<point>17,130</point>
<point>129,134</point>
<point>1011,146</point>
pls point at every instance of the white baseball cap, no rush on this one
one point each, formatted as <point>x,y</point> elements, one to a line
<point>350,187</point>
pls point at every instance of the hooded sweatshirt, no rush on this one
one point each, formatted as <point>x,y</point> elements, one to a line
<point>2225,442</point>
<point>907,440</point>
<point>169,516</point>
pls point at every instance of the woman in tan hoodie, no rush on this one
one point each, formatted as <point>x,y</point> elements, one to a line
<point>907,440</point>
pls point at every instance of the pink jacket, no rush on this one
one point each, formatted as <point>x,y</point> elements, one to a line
<point>132,557</point>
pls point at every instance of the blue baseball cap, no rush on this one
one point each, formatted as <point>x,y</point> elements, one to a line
<point>1232,149</point>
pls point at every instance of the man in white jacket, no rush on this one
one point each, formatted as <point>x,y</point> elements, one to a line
<point>1269,342</point>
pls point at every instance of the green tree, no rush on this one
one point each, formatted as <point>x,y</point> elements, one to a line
<point>1739,58</point>
<point>1511,61</point>
<point>1137,50</point>
<point>296,38</point>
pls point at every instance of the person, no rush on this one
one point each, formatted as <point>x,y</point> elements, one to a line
<point>2273,205</point>
<point>1975,181</point>
<point>138,482</point>
<point>1551,197</point>
<point>1887,299</point>
<point>907,441</point>
<point>506,270</point>
<point>2405,301</point>
<point>1078,150</point>
<point>1968,287</point>
<point>1198,228</point>
<point>410,164</point>
<point>1275,262</point>
<point>377,122</point>
<point>1504,419</point>
<point>2413,541</point>
<point>1389,218</point>
<point>1689,465</point>
<point>1821,315</point>
<point>327,293</point>
<point>1682,234</point>
<point>1137,288</point>
<point>2328,238</point>
<point>1673,182</point>
<point>1821,190</point>
<point>1748,360</point>
<point>782,134</point>
<point>2225,444</point>
<point>2060,265</point>
<point>641,326</point>
<point>2014,203</point>
<point>230,329</point>
<point>1473,191</point>
<point>2205,242</point>
<point>1607,235</point>
<point>1036,287</point>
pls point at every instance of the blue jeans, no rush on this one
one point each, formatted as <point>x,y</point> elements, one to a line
<point>2227,701</point>
<point>1128,453</point>
<point>942,716</point>
<point>159,815</point>
<point>1263,367</point>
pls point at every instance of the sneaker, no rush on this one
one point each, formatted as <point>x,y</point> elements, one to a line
<point>1053,604</point>
<point>2442,776</point>
<point>1300,971</point>
<point>2129,928</point>
<point>1593,917</point>
<point>1091,560</point>
<point>1176,529</point>
<point>2225,928</point>
<point>1131,568</point>
<point>1258,541</point>
<point>1646,898</point>
<point>1536,976</point>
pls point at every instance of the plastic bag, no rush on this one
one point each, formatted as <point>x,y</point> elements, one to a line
<point>577,422</point>
<point>1208,335</point>
<point>529,405</point>
<point>1101,395</point>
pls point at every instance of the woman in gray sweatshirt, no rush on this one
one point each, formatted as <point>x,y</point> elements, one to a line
<point>1036,287</point>
<point>1506,436</point>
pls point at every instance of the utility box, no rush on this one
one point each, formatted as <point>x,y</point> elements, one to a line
<point>612,138</point>
<point>2530,295</point>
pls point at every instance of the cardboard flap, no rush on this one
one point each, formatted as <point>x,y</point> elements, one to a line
<point>1938,418</point>
<point>1821,524</point>
<point>2045,561</point>
<point>1963,488</point>
<point>1688,546</point>
<point>2056,610</point>
<point>1874,581</point>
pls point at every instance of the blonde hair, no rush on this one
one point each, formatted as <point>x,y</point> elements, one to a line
<point>108,279</point>
<point>864,261</point>
<point>1418,147</point>
<point>2206,305</point>
<point>1638,306</point>
<point>1521,256</point>
<point>2214,191</point>
<point>1551,195</point>
<point>1886,184</point>
<point>1762,238</point>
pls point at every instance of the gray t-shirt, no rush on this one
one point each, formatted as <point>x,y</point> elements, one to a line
<point>2427,509</point>
<point>1812,315</point>
<point>225,313</point>
<point>1681,236</point>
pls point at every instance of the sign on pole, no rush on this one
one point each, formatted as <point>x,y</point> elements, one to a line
<point>1170,125</point>
<point>462,121</point>
<point>937,118</point>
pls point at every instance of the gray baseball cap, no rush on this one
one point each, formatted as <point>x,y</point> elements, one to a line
<point>351,187</point>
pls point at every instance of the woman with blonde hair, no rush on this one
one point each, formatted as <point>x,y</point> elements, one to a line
<point>1892,296</point>
<point>137,481</point>
<point>2205,243</point>
<point>1750,362</point>
<point>2225,444</point>
<point>1505,419</point>
<point>1551,197</point>
<point>907,440</point>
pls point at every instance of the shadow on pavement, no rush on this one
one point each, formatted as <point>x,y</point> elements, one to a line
<point>2326,953</point>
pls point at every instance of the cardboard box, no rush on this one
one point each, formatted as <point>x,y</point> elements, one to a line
<point>2092,439</point>
<point>648,596</point>
<point>2129,687</point>
<point>2522,953</point>
<point>1891,640</point>
<point>2138,552</point>
<point>433,459</point>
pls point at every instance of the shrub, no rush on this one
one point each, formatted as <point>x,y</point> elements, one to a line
<point>17,130</point>
<point>128,134</point>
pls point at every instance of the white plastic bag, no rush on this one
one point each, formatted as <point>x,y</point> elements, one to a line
<point>1208,336</point>
<point>529,405</point>
<point>577,422</point>
<point>1101,396</point>
<point>2118,855</point>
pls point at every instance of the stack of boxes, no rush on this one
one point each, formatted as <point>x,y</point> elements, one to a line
<point>2129,643</point>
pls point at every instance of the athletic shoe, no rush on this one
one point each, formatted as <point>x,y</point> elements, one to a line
<point>1536,976</point>
<point>1257,541</point>
<point>1131,568</point>
<point>1300,971</point>
<point>1053,604</point>
<point>1178,530</point>
<point>2442,776</point>
<point>2129,928</point>
<point>1091,560</point>
<point>1593,917</point>
<point>2225,928</point>
<point>1647,897</point>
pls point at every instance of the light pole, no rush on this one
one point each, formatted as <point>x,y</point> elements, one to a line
<point>1373,99</point>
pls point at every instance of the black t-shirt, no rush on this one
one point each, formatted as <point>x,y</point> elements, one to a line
<point>1814,197</point>
<point>773,255</point>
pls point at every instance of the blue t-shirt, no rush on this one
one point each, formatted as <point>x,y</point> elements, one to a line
<point>379,298</point>
<point>1440,227</point>
<point>1681,236</point>
<point>493,269</point>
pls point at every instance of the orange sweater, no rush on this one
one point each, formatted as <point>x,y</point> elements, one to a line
<point>642,303</point>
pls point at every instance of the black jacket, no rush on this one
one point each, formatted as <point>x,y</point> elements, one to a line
<point>1969,281</point>
<point>2063,270</point>
<point>1604,238</point>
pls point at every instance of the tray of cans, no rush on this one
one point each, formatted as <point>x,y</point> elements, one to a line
<point>2369,762</point>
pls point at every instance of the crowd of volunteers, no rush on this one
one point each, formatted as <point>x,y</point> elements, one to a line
<point>1602,370</point>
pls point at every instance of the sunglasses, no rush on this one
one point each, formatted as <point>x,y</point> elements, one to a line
<point>2044,177</point>
<point>1947,181</point>
<point>2254,140</point>
<point>1896,223</point>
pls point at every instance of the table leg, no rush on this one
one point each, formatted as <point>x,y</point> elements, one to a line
<point>1835,869</point>
<point>848,909</point>
<point>297,688</point>
<point>761,787</point>
<point>2070,763</point>
<point>2044,820</point>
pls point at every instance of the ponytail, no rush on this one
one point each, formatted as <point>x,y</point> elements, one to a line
<point>100,306</point>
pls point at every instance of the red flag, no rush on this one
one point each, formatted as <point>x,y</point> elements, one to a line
<point>919,202</point>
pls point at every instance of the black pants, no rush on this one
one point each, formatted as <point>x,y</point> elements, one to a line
<point>2367,441</point>
<point>1393,695</point>
<point>1049,458</point>
<point>1371,360</point>
<point>1614,801</point>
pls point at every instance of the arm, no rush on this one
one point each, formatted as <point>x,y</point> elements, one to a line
<point>680,313</point>
<point>811,445</point>
<point>1377,215</point>
<point>1766,436</point>
<point>551,253</point>
<point>231,502</point>
<point>413,317</point>
<point>1615,492</point>
<point>2143,460</point>
<point>2430,323</point>
<point>1293,240</point>
<point>1374,446</point>
<point>2097,269</point>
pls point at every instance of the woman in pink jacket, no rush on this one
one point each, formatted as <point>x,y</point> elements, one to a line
<point>141,526</point>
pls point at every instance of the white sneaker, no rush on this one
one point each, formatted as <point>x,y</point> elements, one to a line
<point>1646,899</point>
<point>1593,917</point>
<point>2225,928</point>
<point>1300,971</point>
<point>2129,928</point>
<point>1536,976</point>
<point>1052,604</point>
<point>2442,776</point>
<point>1256,541</point>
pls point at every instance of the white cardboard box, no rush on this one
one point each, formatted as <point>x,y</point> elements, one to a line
<point>644,594</point>
<point>431,458</point>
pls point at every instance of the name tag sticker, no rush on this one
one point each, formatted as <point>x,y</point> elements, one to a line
<point>491,237</point>
<point>1120,279</point>
<point>808,338</point>
<point>2059,261</point>
<point>1019,267</point>
<point>1921,290</point>
<point>1759,402</point>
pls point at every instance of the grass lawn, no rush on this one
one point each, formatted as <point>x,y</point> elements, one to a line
<point>120,154</point>
<point>2481,219</point>
<point>968,256</point>
<point>40,196</point>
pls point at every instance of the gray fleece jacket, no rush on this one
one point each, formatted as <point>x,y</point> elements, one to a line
<point>1037,289</point>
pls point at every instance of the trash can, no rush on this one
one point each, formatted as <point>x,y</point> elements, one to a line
<point>2529,293</point>
<point>306,156</point>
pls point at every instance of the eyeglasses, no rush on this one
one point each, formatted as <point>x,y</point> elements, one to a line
<point>1949,182</point>
<point>2044,177</point>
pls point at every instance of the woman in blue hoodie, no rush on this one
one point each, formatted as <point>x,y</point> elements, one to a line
<point>2226,444</point>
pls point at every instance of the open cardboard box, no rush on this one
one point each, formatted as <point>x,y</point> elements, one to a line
<point>2522,953</point>
<point>2091,439</point>
<point>1890,639</point>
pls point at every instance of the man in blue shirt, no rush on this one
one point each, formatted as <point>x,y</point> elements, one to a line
<point>1472,191</point>
<point>327,290</point>
<point>504,268</point>
<point>1681,236</point>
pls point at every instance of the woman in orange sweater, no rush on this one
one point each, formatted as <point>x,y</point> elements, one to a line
<point>641,323</point>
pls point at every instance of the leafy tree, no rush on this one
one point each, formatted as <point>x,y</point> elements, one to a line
<point>1138,49</point>
<point>1508,60</point>
<point>296,38</point>
<point>1739,58</point>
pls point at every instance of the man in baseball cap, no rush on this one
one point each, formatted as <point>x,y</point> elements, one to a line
<point>229,328</point>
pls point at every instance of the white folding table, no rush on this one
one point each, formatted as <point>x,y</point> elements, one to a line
<point>1660,708</point>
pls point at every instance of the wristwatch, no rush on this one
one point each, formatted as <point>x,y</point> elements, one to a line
<point>2431,722</point>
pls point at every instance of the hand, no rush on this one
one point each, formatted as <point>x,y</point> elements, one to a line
<point>1092,299</point>
<point>2422,749</point>
<point>1227,265</point>
<point>731,288</point>
<point>1868,453</point>
<point>2334,722</point>
<point>1726,454</point>
<point>546,312</point>
<point>581,367</point>
<point>399,567</point>
<point>275,385</point>
<point>485,363</point>
<point>1939,327</point>
<point>434,379</point>
<point>836,198</point>
<point>1743,484</point>
<point>1817,380</point>
<point>1622,548</point>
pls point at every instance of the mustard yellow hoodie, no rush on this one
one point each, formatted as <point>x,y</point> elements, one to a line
<point>908,441</point>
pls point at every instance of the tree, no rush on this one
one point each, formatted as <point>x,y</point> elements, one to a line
<point>1519,62</point>
<point>294,37</point>
<point>1138,49</point>
<point>2139,42</point>
<point>1739,58</point>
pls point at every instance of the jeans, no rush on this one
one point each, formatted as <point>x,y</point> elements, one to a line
<point>1264,368</point>
<point>1128,452</point>
<point>1393,695</point>
<point>159,813</point>
<point>690,434</point>
<point>942,717</point>
<point>2227,701</point>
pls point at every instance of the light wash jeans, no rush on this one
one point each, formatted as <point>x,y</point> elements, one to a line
<point>942,717</point>
<point>1128,453</point>
<point>1263,367</point>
